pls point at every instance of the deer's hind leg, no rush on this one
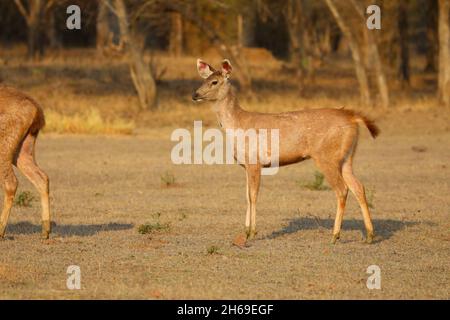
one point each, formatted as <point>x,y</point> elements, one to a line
<point>9,187</point>
<point>253,182</point>
<point>27,165</point>
<point>358,190</point>
<point>10,142</point>
<point>332,173</point>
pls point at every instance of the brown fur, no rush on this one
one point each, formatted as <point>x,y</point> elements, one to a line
<point>328,136</point>
<point>21,119</point>
<point>38,121</point>
<point>370,124</point>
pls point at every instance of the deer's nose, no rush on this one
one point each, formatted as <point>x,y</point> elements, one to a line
<point>194,95</point>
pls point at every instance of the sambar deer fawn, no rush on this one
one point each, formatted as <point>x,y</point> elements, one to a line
<point>328,136</point>
<point>21,119</point>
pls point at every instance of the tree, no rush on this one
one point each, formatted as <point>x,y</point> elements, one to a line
<point>294,17</point>
<point>431,34</point>
<point>140,70</point>
<point>176,34</point>
<point>107,30</point>
<point>360,70</point>
<point>34,14</point>
<point>371,47</point>
<point>444,68</point>
<point>403,25</point>
<point>54,39</point>
<point>102,26</point>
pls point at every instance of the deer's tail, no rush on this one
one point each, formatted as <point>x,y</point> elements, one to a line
<point>370,124</point>
<point>360,118</point>
<point>38,121</point>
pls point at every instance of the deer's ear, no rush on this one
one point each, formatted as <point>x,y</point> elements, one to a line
<point>226,68</point>
<point>204,69</point>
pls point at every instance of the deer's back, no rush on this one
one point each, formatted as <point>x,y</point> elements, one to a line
<point>19,114</point>
<point>307,133</point>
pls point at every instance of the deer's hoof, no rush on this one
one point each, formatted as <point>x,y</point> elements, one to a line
<point>336,237</point>
<point>46,229</point>
<point>370,237</point>
<point>2,231</point>
<point>251,234</point>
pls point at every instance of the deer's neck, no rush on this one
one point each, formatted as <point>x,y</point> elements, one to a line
<point>228,110</point>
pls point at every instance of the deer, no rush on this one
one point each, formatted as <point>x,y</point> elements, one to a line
<point>327,136</point>
<point>21,119</point>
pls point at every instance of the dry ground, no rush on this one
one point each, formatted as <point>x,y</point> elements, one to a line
<point>103,188</point>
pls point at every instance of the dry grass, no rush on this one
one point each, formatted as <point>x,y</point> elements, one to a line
<point>89,122</point>
<point>82,93</point>
<point>103,188</point>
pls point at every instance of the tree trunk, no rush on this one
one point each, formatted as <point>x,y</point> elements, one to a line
<point>444,34</point>
<point>240,31</point>
<point>140,70</point>
<point>373,55</point>
<point>176,34</point>
<point>54,41</point>
<point>404,70</point>
<point>34,19</point>
<point>102,27</point>
<point>248,26</point>
<point>360,71</point>
<point>294,21</point>
<point>379,73</point>
<point>432,38</point>
<point>108,40</point>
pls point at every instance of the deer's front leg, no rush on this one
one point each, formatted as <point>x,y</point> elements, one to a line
<point>253,181</point>
<point>247,216</point>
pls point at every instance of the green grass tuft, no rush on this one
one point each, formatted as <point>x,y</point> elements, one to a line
<point>212,250</point>
<point>317,184</point>
<point>167,179</point>
<point>153,227</point>
<point>24,199</point>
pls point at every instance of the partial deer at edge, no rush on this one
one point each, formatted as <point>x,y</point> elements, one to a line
<point>328,136</point>
<point>21,119</point>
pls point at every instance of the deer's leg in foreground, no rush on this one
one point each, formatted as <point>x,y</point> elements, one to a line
<point>10,187</point>
<point>248,214</point>
<point>332,172</point>
<point>253,181</point>
<point>358,190</point>
<point>341,200</point>
<point>29,168</point>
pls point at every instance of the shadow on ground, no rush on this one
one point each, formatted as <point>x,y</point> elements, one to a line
<point>384,228</point>
<point>83,230</point>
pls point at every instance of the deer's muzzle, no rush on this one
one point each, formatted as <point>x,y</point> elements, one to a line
<point>195,96</point>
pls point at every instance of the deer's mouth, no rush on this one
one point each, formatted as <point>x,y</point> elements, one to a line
<point>196,97</point>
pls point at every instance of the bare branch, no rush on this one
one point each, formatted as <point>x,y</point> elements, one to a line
<point>49,5</point>
<point>22,10</point>
<point>110,7</point>
<point>358,9</point>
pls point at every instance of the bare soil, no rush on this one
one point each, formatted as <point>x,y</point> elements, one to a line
<point>103,188</point>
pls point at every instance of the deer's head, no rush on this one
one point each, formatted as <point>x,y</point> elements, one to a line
<point>216,85</point>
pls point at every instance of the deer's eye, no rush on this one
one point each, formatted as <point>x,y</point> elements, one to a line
<point>214,82</point>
